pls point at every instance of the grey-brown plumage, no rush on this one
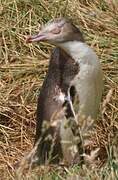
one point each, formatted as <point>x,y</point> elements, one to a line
<point>62,70</point>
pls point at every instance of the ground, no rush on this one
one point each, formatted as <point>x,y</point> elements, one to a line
<point>22,71</point>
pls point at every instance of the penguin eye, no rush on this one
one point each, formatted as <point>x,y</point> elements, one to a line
<point>56,31</point>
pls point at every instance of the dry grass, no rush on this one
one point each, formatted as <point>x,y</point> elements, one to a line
<point>23,68</point>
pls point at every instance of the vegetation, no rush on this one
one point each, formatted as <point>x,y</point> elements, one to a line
<point>23,68</point>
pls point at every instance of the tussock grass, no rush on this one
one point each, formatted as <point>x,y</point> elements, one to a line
<point>23,68</point>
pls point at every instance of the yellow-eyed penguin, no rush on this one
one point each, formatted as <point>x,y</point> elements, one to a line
<point>74,69</point>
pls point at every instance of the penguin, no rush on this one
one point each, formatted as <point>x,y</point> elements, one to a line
<point>74,71</point>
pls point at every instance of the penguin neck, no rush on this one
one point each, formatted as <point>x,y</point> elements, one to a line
<point>75,49</point>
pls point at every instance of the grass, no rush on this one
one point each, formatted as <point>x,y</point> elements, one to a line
<point>23,68</point>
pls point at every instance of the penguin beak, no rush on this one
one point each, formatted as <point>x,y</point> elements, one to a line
<point>35,38</point>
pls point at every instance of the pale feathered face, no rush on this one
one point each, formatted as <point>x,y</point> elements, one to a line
<point>57,31</point>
